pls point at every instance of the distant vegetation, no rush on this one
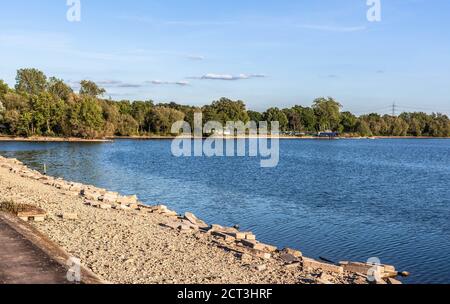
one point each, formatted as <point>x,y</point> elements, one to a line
<point>41,106</point>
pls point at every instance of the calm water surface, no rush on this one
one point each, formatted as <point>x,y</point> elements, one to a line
<point>337,199</point>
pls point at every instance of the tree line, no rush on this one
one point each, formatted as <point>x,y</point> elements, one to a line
<point>42,106</point>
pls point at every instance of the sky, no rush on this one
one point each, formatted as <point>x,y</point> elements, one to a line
<point>267,53</point>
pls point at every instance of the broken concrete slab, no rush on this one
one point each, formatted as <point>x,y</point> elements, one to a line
<point>363,268</point>
<point>289,258</point>
<point>253,244</point>
<point>104,206</point>
<point>295,253</point>
<point>316,265</point>
<point>226,237</point>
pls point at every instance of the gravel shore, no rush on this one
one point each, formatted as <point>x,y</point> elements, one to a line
<point>137,244</point>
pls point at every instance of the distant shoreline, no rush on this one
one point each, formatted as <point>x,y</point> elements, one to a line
<point>111,139</point>
<point>51,139</point>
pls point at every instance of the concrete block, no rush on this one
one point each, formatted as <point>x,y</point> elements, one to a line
<point>295,253</point>
<point>316,265</point>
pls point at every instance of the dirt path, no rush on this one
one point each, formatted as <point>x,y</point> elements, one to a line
<point>21,262</point>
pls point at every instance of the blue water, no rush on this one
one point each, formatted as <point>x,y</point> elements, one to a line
<point>343,200</point>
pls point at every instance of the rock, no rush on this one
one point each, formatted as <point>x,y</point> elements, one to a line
<point>215,227</point>
<point>295,253</point>
<point>104,206</point>
<point>238,235</point>
<point>69,216</point>
<point>246,258</point>
<point>316,265</point>
<point>127,200</point>
<point>159,209</point>
<point>393,281</point>
<point>380,282</point>
<point>260,254</point>
<point>184,228</point>
<point>252,244</point>
<point>37,218</point>
<point>226,237</point>
<point>134,206</point>
<point>269,248</point>
<point>121,207</point>
<point>289,258</point>
<point>259,267</point>
<point>91,196</point>
<point>109,197</point>
<point>363,268</point>
<point>250,236</point>
<point>170,213</point>
<point>292,265</point>
<point>172,225</point>
<point>325,279</point>
<point>191,218</point>
<point>259,246</point>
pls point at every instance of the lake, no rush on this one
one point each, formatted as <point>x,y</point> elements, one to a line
<point>343,199</point>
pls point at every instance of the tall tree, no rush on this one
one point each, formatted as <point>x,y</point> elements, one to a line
<point>275,114</point>
<point>229,110</point>
<point>90,88</point>
<point>327,111</point>
<point>30,81</point>
<point>3,89</point>
<point>58,88</point>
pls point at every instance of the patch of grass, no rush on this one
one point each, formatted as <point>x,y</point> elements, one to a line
<point>11,207</point>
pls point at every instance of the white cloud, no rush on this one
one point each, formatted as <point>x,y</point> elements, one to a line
<point>196,57</point>
<point>160,82</point>
<point>228,77</point>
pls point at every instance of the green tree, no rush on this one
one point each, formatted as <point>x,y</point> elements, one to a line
<point>58,88</point>
<point>3,89</point>
<point>275,114</point>
<point>127,126</point>
<point>30,81</point>
<point>228,110</point>
<point>294,120</point>
<point>86,118</point>
<point>255,116</point>
<point>161,119</point>
<point>399,127</point>
<point>363,128</point>
<point>139,111</point>
<point>90,88</point>
<point>327,111</point>
<point>348,122</point>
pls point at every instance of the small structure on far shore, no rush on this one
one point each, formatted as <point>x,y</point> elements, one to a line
<point>328,134</point>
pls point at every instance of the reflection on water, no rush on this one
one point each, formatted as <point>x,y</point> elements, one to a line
<point>339,199</point>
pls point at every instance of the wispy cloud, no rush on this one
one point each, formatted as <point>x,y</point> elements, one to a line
<point>333,28</point>
<point>160,82</point>
<point>196,57</point>
<point>228,77</point>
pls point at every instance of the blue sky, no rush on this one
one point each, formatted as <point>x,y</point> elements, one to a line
<point>267,53</point>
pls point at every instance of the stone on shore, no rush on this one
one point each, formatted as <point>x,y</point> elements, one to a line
<point>289,258</point>
<point>364,268</point>
<point>69,216</point>
<point>319,266</point>
<point>104,206</point>
<point>195,220</point>
<point>295,253</point>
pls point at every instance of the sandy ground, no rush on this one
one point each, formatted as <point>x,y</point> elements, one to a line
<point>132,246</point>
